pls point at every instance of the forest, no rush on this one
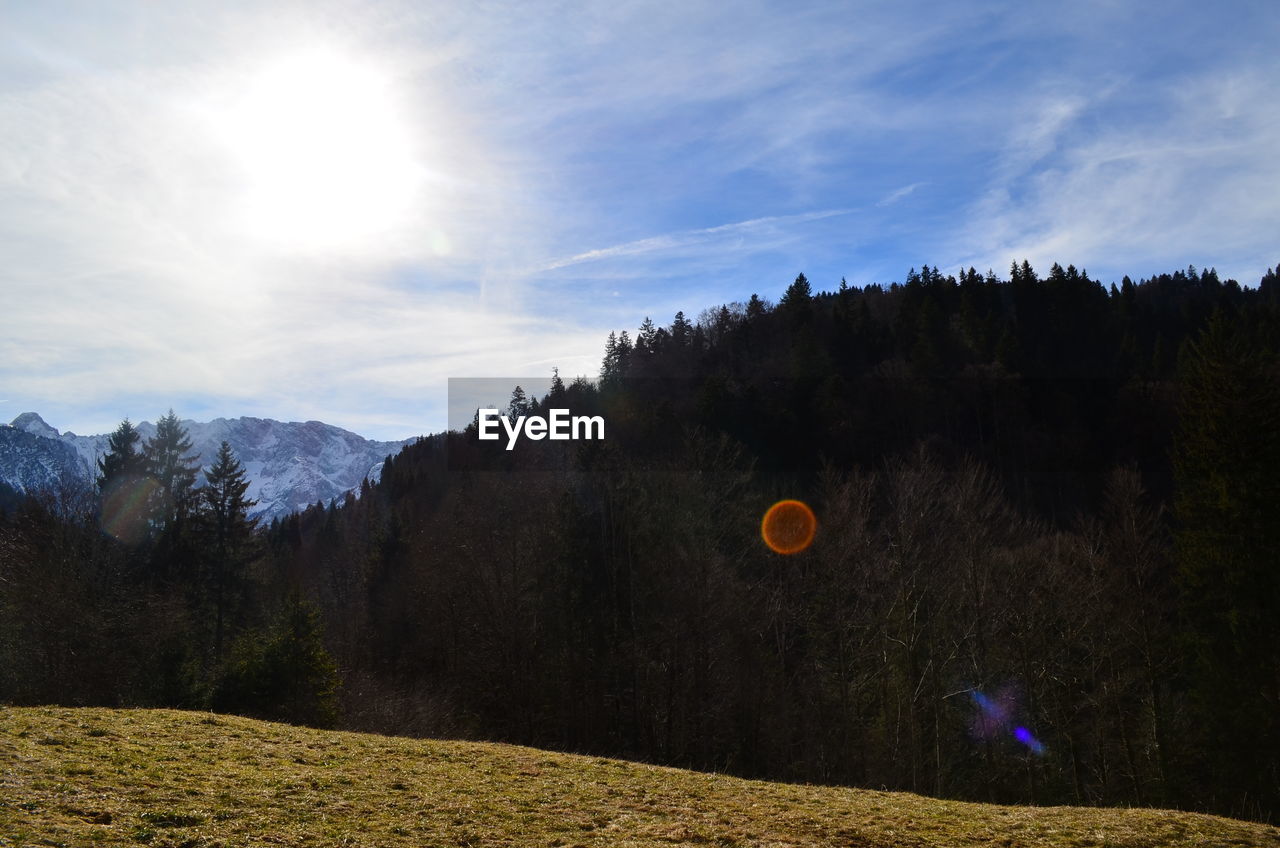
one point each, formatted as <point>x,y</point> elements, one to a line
<point>1045,568</point>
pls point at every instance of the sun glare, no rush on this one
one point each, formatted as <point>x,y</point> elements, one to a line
<point>324,150</point>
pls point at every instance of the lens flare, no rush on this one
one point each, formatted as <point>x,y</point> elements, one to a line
<point>1024,736</point>
<point>994,718</point>
<point>124,508</point>
<point>788,527</point>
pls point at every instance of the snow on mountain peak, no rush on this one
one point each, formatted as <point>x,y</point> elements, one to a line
<point>290,465</point>
<point>31,422</point>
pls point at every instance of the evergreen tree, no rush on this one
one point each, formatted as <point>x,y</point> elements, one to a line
<point>122,458</point>
<point>173,471</point>
<point>609,367</point>
<point>1269,285</point>
<point>229,533</point>
<point>798,298</point>
<point>646,339</point>
<point>124,485</point>
<point>283,675</point>
<point>170,463</point>
<point>519,405</point>
<point>681,330</point>
<point>724,320</point>
<point>1227,463</point>
<point>624,349</point>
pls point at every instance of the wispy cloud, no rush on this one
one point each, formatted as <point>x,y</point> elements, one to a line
<point>755,227</point>
<point>897,194</point>
<point>1181,187</point>
<point>555,141</point>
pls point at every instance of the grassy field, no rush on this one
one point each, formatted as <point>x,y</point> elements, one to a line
<point>84,777</point>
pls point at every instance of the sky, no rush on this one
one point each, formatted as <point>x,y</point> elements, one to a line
<point>326,210</point>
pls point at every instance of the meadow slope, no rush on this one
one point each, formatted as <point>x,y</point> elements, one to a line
<point>168,778</point>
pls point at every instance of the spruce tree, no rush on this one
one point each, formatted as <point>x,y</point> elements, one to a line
<point>609,367</point>
<point>284,674</point>
<point>798,294</point>
<point>1227,466</point>
<point>519,405</point>
<point>173,470</point>
<point>681,329</point>
<point>169,462</point>
<point>646,339</point>
<point>228,533</point>
<point>797,301</point>
<point>123,485</point>
<point>122,458</point>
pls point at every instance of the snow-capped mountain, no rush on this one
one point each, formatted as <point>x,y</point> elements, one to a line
<point>289,465</point>
<point>31,462</point>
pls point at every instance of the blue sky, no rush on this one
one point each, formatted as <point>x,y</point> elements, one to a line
<point>325,210</point>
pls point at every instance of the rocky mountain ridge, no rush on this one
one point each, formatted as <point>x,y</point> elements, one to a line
<point>289,464</point>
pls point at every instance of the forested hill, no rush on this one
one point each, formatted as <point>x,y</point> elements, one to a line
<point>1043,572</point>
<point>992,465</point>
<point>1049,383</point>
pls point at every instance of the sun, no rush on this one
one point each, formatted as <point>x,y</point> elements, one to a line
<point>324,151</point>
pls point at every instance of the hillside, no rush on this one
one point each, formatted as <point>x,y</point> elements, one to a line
<point>1040,574</point>
<point>168,778</point>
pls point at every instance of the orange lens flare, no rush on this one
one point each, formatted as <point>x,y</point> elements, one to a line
<point>788,527</point>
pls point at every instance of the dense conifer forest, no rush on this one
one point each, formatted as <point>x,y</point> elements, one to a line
<point>1045,569</point>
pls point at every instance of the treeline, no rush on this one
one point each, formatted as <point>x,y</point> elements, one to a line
<point>1045,567</point>
<point>145,591</point>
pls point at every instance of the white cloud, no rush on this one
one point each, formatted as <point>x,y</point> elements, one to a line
<point>554,140</point>
<point>1183,183</point>
<point>765,233</point>
<point>898,193</point>
<point>129,273</point>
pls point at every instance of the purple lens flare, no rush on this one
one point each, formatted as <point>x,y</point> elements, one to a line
<point>1024,736</point>
<point>994,718</point>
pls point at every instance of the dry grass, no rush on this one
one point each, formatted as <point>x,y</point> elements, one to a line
<point>83,777</point>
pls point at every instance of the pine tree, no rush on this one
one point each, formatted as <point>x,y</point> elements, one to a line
<point>284,675</point>
<point>724,320</point>
<point>173,471</point>
<point>681,330</point>
<point>122,457</point>
<point>229,532</point>
<point>646,339</point>
<point>169,461</point>
<point>609,367</point>
<point>519,405</point>
<point>1227,466</point>
<point>123,485</point>
<point>798,297</point>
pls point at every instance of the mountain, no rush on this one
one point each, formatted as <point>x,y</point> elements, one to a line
<point>289,465</point>
<point>30,461</point>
